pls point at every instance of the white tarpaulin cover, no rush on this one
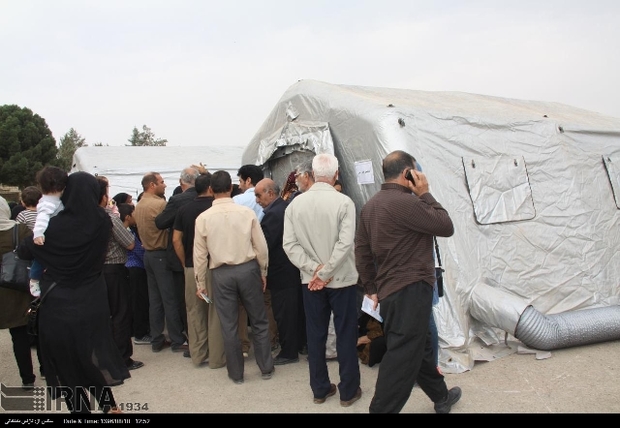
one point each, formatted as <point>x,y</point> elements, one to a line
<point>531,186</point>
<point>124,166</point>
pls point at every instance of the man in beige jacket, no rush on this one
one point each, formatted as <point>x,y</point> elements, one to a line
<point>319,232</point>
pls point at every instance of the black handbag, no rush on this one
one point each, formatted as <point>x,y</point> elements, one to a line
<point>33,312</point>
<point>15,272</point>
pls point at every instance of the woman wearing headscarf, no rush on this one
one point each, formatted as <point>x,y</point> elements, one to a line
<point>13,303</point>
<point>75,338</point>
<point>290,188</point>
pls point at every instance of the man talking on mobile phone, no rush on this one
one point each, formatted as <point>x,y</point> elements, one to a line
<point>394,258</point>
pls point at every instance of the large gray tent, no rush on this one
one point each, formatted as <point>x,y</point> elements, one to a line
<point>531,186</point>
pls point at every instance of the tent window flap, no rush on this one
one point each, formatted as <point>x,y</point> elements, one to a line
<point>499,188</point>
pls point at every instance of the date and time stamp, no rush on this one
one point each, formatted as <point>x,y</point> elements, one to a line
<point>129,416</point>
<point>124,419</point>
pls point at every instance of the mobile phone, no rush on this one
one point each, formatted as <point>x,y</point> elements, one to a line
<point>409,176</point>
<point>206,298</point>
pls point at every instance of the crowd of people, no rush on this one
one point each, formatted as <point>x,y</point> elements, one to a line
<point>193,272</point>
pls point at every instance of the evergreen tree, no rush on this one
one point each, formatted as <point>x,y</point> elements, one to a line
<point>69,143</point>
<point>145,138</point>
<point>26,146</point>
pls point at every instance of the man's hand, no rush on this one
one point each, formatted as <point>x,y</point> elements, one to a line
<point>39,240</point>
<point>200,168</point>
<point>375,299</point>
<point>201,290</point>
<point>421,183</point>
<point>363,340</point>
<point>264,279</point>
<point>317,283</point>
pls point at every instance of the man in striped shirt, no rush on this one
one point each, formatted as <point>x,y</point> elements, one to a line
<point>394,258</point>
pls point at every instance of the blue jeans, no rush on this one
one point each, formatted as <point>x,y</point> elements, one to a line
<point>318,305</point>
<point>36,270</point>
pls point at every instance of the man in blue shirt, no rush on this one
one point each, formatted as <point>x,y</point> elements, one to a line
<point>249,176</point>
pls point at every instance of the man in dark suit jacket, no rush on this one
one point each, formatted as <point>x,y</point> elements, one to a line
<point>283,278</point>
<point>165,220</point>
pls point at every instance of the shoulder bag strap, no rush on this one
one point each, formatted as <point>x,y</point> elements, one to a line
<point>437,252</point>
<point>15,237</point>
<point>46,293</point>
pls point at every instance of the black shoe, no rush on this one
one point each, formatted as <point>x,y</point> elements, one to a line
<point>180,348</point>
<point>237,381</point>
<point>116,382</point>
<point>304,350</point>
<point>135,365</point>
<point>144,340</point>
<point>268,375</point>
<point>156,347</point>
<point>453,396</point>
<point>279,361</point>
<point>28,386</point>
<point>186,354</point>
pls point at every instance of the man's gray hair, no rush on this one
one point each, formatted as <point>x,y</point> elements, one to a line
<point>305,167</point>
<point>273,186</point>
<point>189,175</point>
<point>324,165</point>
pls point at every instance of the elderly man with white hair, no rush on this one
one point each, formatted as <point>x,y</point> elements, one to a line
<point>319,232</point>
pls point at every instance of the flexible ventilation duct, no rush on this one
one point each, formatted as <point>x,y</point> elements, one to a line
<point>502,310</point>
<point>547,332</point>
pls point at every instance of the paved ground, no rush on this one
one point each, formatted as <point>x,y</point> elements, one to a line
<point>576,380</point>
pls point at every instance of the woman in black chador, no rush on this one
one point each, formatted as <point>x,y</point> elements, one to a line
<point>75,339</point>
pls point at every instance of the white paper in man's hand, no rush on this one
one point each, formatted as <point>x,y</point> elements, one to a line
<point>367,305</point>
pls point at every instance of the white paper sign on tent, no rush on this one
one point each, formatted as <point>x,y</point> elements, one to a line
<point>363,170</point>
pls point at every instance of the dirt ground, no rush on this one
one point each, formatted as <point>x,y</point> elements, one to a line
<point>583,379</point>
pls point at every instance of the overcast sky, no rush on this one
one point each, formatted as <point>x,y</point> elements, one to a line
<point>201,71</point>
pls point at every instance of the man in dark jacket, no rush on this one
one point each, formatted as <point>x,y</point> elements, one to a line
<point>283,279</point>
<point>165,220</point>
<point>394,258</point>
<point>204,332</point>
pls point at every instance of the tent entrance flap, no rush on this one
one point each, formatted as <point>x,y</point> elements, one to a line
<point>297,142</point>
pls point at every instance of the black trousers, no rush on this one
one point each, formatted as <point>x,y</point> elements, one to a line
<point>22,352</point>
<point>409,356</point>
<point>318,305</point>
<point>139,301</point>
<point>287,306</point>
<point>119,298</point>
<point>179,291</point>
